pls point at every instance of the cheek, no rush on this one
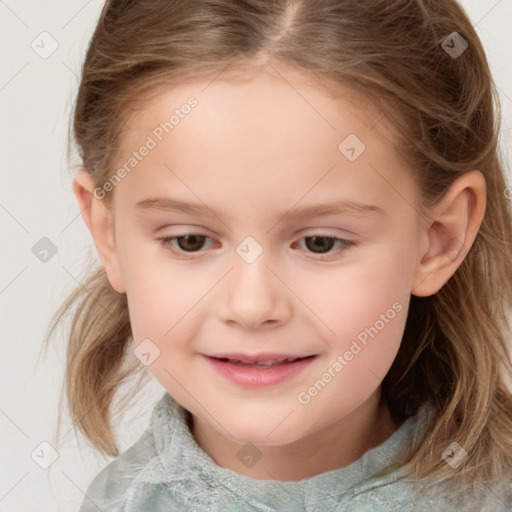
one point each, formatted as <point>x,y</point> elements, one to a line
<point>349,299</point>
<point>166,305</point>
<point>160,307</point>
<point>163,312</point>
<point>365,311</point>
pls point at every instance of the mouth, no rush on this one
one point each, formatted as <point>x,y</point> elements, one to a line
<point>260,361</point>
<point>260,370</point>
<point>264,363</point>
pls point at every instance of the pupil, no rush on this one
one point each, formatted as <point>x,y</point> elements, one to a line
<point>314,243</point>
<point>191,240</point>
<point>317,245</point>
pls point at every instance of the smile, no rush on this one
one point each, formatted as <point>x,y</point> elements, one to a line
<point>264,364</point>
<point>258,371</point>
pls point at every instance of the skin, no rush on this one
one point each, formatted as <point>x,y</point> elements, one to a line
<point>250,149</point>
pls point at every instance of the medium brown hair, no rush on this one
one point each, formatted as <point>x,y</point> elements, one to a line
<point>454,352</point>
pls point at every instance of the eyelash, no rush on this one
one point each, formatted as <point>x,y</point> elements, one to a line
<point>166,242</point>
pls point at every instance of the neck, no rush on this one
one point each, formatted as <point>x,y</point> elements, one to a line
<point>330,448</point>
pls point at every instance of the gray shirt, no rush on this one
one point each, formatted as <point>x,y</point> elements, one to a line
<point>166,470</point>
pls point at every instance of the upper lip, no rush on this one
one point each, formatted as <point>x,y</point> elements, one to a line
<point>253,358</point>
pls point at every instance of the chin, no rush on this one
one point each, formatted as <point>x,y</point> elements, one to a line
<point>264,434</point>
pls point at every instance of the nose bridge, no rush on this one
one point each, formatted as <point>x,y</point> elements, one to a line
<point>252,295</point>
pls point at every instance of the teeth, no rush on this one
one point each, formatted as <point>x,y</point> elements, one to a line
<point>270,362</point>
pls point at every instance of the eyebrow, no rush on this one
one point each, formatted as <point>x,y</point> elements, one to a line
<point>348,208</point>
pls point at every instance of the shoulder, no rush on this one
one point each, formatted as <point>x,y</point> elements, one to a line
<point>397,490</point>
<point>407,495</point>
<point>109,488</point>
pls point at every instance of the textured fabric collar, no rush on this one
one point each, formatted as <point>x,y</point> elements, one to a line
<point>183,462</point>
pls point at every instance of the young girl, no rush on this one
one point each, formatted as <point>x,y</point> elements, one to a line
<point>305,237</point>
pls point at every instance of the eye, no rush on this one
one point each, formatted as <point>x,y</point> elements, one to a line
<point>322,244</point>
<point>189,243</point>
<point>192,243</point>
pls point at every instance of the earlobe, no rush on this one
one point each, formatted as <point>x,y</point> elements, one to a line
<point>98,219</point>
<point>451,231</point>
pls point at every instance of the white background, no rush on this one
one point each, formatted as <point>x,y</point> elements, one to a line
<point>36,200</point>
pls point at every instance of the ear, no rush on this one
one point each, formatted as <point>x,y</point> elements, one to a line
<point>452,227</point>
<point>99,220</point>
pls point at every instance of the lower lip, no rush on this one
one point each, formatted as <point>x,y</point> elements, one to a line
<point>254,376</point>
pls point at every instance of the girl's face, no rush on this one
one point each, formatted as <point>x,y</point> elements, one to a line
<point>303,243</point>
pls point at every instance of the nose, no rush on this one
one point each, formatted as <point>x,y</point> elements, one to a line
<point>252,296</point>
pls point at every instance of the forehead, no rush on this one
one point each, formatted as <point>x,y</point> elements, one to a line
<point>280,128</point>
<point>264,93</point>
